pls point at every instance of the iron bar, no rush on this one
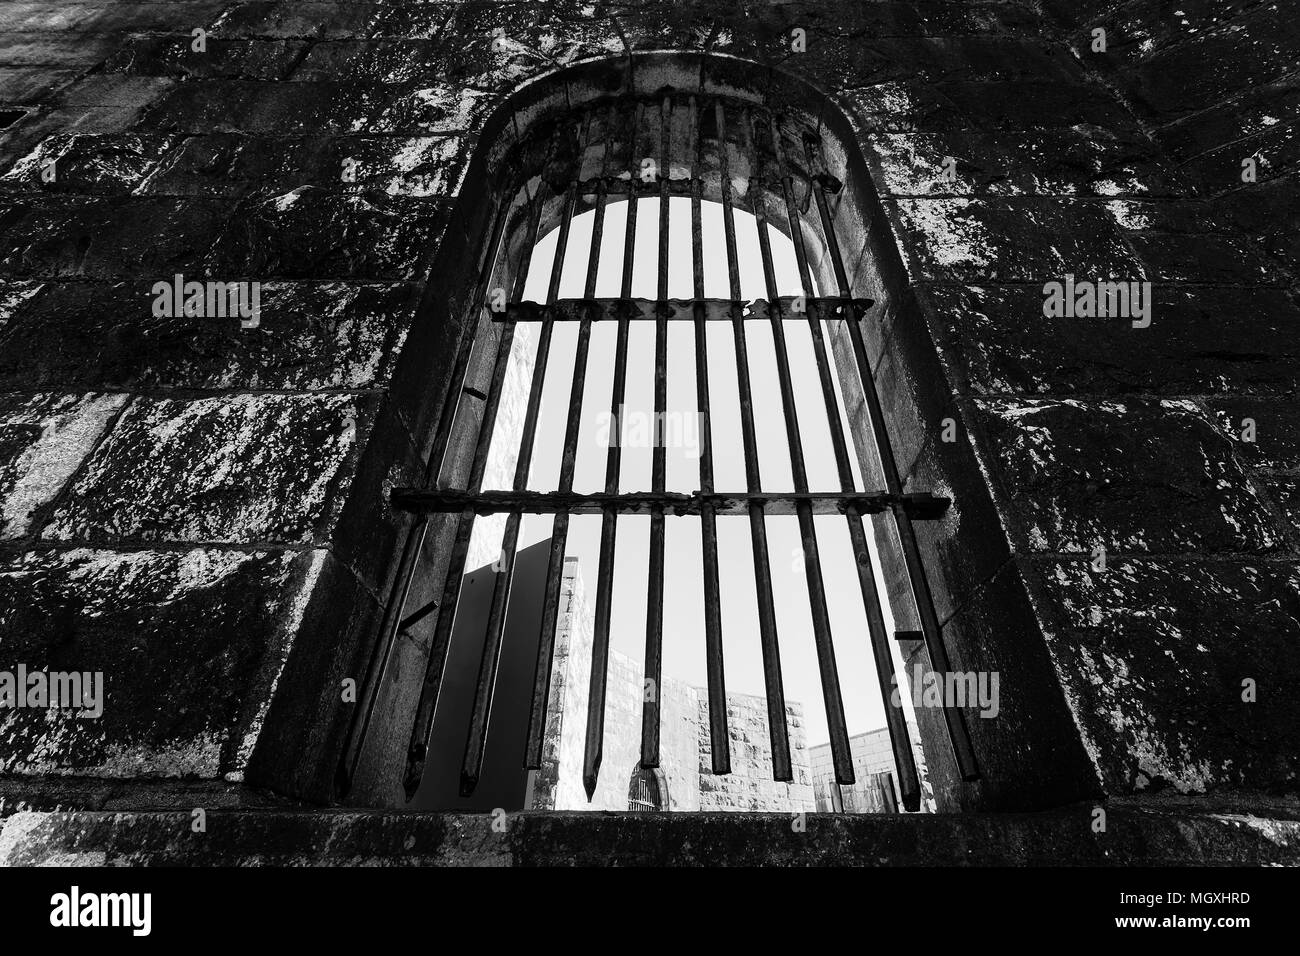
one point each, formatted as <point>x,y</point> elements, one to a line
<point>654,626</point>
<point>489,662</point>
<point>776,717</point>
<point>923,506</point>
<point>673,310</point>
<point>719,736</point>
<point>886,678</point>
<point>560,527</point>
<point>958,735</point>
<point>609,518</point>
<point>817,604</point>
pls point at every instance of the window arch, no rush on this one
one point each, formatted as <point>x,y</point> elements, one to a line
<point>745,177</point>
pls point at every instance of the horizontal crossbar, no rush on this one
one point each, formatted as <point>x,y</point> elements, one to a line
<point>681,310</point>
<point>920,506</point>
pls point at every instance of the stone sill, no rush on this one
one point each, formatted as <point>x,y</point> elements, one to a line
<point>271,837</point>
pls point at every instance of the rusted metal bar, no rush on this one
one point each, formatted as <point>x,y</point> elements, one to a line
<point>490,659</point>
<point>654,625</point>
<point>719,737</point>
<point>829,672</point>
<point>895,719</point>
<point>609,518</point>
<point>426,710</point>
<point>932,633</point>
<point>560,527</point>
<point>776,717</point>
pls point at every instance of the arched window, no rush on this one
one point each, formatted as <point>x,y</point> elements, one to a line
<point>647,790</point>
<point>678,242</point>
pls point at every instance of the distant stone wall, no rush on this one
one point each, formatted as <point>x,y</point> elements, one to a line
<point>685,755</point>
<point>872,755</point>
<point>750,786</point>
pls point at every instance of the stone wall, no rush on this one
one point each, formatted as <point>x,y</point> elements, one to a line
<point>750,786</point>
<point>685,753</point>
<point>199,509</point>
<point>873,765</point>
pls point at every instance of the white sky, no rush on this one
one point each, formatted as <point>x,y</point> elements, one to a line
<point>683,650</point>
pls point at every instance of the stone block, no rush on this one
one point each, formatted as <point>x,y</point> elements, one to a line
<point>307,234</point>
<point>330,335</point>
<point>190,644</point>
<point>1202,340</point>
<point>967,240</point>
<point>1134,476</point>
<point>44,439</point>
<point>236,468</point>
<point>1153,655</point>
<point>1079,160</point>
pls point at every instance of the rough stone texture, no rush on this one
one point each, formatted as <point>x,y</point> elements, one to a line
<point>45,440</point>
<point>1134,836</point>
<point>1158,654</point>
<point>228,166</point>
<point>190,642</point>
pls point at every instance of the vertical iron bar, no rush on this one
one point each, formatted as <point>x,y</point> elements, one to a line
<point>609,519</point>
<point>776,718</point>
<point>886,678</point>
<point>490,660</point>
<point>654,627</point>
<point>839,733</point>
<point>426,710</point>
<point>958,735</point>
<point>560,527</point>
<point>719,738</point>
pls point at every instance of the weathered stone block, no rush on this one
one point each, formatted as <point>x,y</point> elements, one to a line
<point>239,468</point>
<point>965,240</point>
<point>43,441</point>
<point>1154,655</point>
<point>1272,427</point>
<point>1200,341</point>
<point>990,105</point>
<point>305,234</point>
<point>190,644</point>
<point>108,238</point>
<point>220,58</point>
<point>1080,160</point>
<point>310,336</point>
<point>99,165</point>
<point>1133,476</point>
